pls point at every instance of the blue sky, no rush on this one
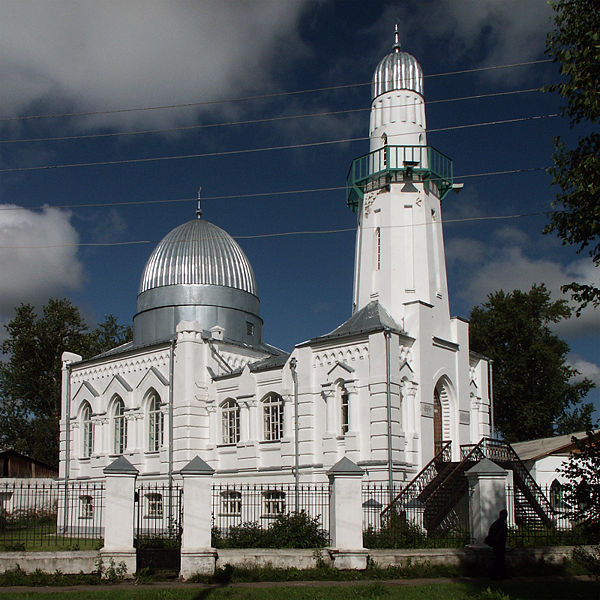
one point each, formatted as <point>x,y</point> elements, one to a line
<point>94,57</point>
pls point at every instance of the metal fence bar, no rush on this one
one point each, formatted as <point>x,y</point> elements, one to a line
<point>159,512</point>
<point>50,515</point>
<point>404,525</point>
<point>260,506</point>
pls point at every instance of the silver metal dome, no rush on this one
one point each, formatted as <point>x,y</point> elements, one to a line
<point>198,272</point>
<point>196,253</point>
<point>397,71</point>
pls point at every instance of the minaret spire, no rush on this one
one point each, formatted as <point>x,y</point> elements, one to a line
<point>198,207</point>
<point>396,46</point>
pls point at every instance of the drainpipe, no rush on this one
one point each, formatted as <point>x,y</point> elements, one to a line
<point>388,385</point>
<point>67,445</point>
<point>491,397</point>
<point>170,459</point>
<point>293,363</point>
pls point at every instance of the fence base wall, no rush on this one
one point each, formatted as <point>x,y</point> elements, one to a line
<point>346,560</point>
<point>279,558</point>
<point>200,563</point>
<point>70,562</point>
<point>73,562</point>
<point>434,556</point>
<point>129,559</point>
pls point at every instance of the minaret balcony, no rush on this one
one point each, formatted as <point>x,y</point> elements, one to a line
<point>398,164</point>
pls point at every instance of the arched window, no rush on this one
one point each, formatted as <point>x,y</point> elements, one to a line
<point>273,416</point>
<point>230,419</point>
<point>87,430</point>
<point>119,427</point>
<point>556,495</point>
<point>344,411</point>
<point>156,423</point>
<point>86,507</point>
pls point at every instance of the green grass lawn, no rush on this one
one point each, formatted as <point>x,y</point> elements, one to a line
<point>510,590</point>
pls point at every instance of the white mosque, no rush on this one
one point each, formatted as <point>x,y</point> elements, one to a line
<point>383,389</point>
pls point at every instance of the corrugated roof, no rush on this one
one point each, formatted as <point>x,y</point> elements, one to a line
<point>534,449</point>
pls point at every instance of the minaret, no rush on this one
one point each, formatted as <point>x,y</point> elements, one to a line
<point>397,191</point>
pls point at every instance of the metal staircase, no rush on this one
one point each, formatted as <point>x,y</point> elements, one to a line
<point>441,485</point>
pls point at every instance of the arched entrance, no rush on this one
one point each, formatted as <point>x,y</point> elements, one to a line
<point>437,422</point>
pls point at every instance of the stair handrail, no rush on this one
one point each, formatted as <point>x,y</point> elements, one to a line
<point>476,449</point>
<point>510,455</point>
<point>427,474</point>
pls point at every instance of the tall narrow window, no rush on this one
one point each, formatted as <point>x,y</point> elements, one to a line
<point>230,419</point>
<point>155,423</point>
<point>556,495</point>
<point>273,417</point>
<point>345,416</point>
<point>87,431</point>
<point>378,248</point>
<point>120,427</point>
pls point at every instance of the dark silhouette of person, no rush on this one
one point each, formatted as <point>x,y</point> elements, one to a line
<point>496,538</point>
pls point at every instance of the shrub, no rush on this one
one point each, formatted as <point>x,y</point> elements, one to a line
<point>293,530</point>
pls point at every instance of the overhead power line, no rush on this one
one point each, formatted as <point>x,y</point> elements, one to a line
<point>242,196</point>
<point>254,121</point>
<point>262,149</point>
<point>275,234</point>
<point>256,97</point>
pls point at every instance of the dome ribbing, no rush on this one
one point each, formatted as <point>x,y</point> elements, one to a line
<point>198,253</point>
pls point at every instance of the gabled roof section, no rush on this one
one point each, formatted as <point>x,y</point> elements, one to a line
<point>534,449</point>
<point>372,317</point>
<point>89,387</point>
<point>263,364</point>
<point>153,371</point>
<point>118,379</point>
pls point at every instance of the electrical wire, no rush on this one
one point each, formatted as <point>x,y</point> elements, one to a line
<point>277,234</point>
<point>257,97</point>
<point>242,196</point>
<point>255,150</point>
<point>254,121</point>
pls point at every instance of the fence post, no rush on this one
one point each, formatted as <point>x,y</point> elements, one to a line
<point>119,513</point>
<point>487,497</point>
<point>197,554</point>
<point>345,515</point>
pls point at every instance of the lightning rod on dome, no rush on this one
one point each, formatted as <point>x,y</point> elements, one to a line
<point>198,207</point>
<point>396,46</point>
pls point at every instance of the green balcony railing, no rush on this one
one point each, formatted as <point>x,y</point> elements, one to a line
<point>391,164</point>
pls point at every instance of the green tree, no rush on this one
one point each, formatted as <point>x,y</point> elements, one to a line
<point>582,492</point>
<point>575,45</point>
<point>30,375</point>
<point>534,395</point>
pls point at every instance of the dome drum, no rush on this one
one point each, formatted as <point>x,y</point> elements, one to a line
<point>159,323</point>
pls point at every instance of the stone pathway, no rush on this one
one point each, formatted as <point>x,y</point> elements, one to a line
<point>272,584</point>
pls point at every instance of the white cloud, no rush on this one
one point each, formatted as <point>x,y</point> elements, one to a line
<point>499,265</point>
<point>490,32</point>
<point>586,369</point>
<point>30,273</point>
<point>89,55</point>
